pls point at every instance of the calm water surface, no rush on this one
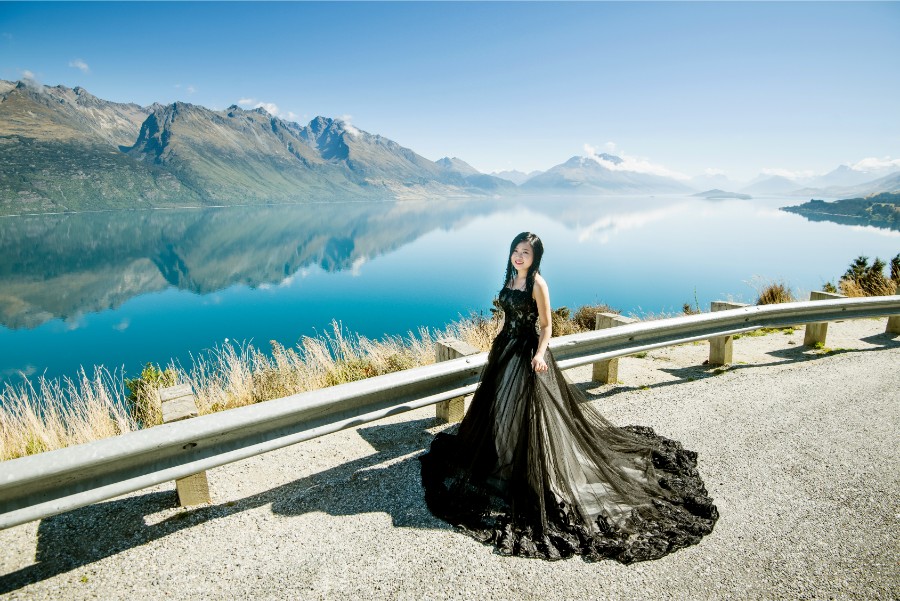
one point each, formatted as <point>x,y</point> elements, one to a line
<point>120,289</point>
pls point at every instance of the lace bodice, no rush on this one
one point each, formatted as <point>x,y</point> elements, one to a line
<point>519,310</point>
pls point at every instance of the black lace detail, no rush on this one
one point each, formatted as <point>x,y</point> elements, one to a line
<point>520,313</point>
<point>537,472</point>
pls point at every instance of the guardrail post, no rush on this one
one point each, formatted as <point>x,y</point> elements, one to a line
<point>178,404</point>
<point>721,348</point>
<point>607,372</point>
<point>816,332</point>
<point>893,324</point>
<point>445,349</point>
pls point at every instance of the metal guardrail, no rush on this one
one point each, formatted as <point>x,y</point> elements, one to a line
<point>42,485</point>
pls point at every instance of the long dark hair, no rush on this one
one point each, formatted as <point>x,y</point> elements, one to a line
<point>537,246</point>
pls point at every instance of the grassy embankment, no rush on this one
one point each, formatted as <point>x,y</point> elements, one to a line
<point>52,413</point>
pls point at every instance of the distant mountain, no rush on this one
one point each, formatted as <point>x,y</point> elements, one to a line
<point>880,210</point>
<point>584,175</point>
<point>845,176</point>
<point>64,149</point>
<point>717,194</point>
<point>473,177</point>
<point>888,183</point>
<point>719,181</point>
<point>516,177</point>
<point>457,166</point>
<point>237,156</point>
<point>775,184</point>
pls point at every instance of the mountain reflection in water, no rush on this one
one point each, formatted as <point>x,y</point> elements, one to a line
<point>126,287</point>
<point>61,266</point>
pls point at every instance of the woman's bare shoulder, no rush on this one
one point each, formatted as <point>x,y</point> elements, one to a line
<point>540,288</point>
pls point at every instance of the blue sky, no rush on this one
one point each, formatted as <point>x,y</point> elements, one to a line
<point>677,87</point>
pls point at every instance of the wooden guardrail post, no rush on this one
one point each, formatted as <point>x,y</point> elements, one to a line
<point>816,332</point>
<point>445,349</point>
<point>721,348</point>
<point>607,371</point>
<point>178,404</point>
<point>893,324</point>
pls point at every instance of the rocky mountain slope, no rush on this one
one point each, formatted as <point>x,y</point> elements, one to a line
<point>66,150</point>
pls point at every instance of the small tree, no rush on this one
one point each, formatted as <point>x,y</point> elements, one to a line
<point>862,279</point>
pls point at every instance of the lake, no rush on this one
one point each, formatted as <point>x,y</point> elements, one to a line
<point>124,288</point>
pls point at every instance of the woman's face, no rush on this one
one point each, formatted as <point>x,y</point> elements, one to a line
<point>522,256</point>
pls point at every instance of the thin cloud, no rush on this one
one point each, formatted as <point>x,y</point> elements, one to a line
<point>631,163</point>
<point>712,172</point>
<point>188,89</point>
<point>269,107</point>
<point>30,80</point>
<point>80,65</point>
<point>789,174</point>
<point>348,127</point>
<point>876,164</point>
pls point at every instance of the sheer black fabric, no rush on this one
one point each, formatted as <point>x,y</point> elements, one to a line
<point>536,471</point>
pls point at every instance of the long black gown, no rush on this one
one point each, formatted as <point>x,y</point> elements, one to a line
<point>538,472</point>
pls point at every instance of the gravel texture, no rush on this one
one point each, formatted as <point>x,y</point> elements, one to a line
<point>797,447</point>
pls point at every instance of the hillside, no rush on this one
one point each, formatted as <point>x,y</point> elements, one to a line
<point>65,150</point>
<point>881,210</point>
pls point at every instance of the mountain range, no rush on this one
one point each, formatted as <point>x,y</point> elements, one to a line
<point>64,149</point>
<point>590,176</point>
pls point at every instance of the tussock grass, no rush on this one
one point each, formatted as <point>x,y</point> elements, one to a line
<point>57,413</point>
<point>47,414</point>
<point>585,316</point>
<point>54,413</point>
<point>774,293</point>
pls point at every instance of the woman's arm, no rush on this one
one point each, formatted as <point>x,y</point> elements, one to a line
<point>541,295</point>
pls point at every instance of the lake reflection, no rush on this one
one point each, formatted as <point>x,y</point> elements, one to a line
<point>124,288</point>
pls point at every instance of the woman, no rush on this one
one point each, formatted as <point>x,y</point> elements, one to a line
<point>538,472</point>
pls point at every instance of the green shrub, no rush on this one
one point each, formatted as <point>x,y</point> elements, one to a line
<point>143,394</point>
<point>862,279</point>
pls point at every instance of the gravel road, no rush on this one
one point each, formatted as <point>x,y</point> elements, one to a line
<point>797,447</point>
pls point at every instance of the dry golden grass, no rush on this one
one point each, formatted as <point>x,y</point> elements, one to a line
<point>52,413</point>
<point>883,287</point>
<point>585,317</point>
<point>59,413</point>
<point>863,279</point>
<point>775,292</point>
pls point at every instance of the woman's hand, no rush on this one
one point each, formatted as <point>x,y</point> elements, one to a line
<point>538,363</point>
